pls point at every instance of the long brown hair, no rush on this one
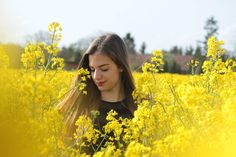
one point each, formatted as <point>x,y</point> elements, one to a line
<point>76,103</point>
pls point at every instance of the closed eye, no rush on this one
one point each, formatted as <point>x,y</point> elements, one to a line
<point>104,69</point>
<point>93,70</point>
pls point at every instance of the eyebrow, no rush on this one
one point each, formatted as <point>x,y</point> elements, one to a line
<point>99,65</point>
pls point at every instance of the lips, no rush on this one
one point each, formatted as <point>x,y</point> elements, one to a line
<point>100,83</point>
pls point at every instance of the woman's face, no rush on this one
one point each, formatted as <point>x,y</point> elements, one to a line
<point>105,73</point>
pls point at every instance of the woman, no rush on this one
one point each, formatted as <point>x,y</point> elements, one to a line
<point>110,87</point>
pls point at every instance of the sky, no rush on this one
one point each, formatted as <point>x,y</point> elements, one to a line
<point>161,24</point>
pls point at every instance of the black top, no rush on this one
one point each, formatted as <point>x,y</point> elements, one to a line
<point>121,107</point>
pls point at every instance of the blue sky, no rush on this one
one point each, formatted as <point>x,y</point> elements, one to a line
<point>161,24</point>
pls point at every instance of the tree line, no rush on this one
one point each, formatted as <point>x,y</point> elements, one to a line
<point>176,58</point>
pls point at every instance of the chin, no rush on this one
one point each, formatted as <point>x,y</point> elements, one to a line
<point>103,89</point>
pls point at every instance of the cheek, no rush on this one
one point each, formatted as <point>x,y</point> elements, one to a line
<point>114,76</point>
<point>102,75</point>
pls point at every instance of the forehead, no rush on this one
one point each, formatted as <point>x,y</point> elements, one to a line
<point>98,59</point>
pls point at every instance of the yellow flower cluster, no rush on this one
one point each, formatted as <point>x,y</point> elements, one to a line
<point>33,57</point>
<point>55,30</point>
<point>4,59</point>
<point>108,152</point>
<point>214,48</point>
<point>85,130</point>
<point>137,149</point>
<point>83,75</point>
<point>155,64</point>
<point>57,63</point>
<point>193,64</point>
<point>114,126</point>
<point>215,64</point>
<point>35,53</point>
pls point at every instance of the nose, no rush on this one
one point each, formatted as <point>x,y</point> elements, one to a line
<point>97,75</point>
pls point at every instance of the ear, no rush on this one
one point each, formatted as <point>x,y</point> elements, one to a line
<point>121,70</point>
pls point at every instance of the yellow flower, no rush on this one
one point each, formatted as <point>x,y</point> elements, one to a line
<point>214,48</point>
<point>137,149</point>
<point>33,57</point>
<point>55,29</point>
<point>4,59</point>
<point>57,63</point>
<point>156,63</point>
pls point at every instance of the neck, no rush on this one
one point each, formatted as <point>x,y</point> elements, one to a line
<point>116,94</point>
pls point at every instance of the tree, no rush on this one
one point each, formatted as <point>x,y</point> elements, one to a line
<point>200,58</point>
<point>143,48</point>
<point>189,51</point>
<point>40,36</point>
<point>166,68</point>
<point>130,43</point>
<point>176,50</point>
<point>71,54</point>
<point>175,68</point>
<point>211,28</point>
